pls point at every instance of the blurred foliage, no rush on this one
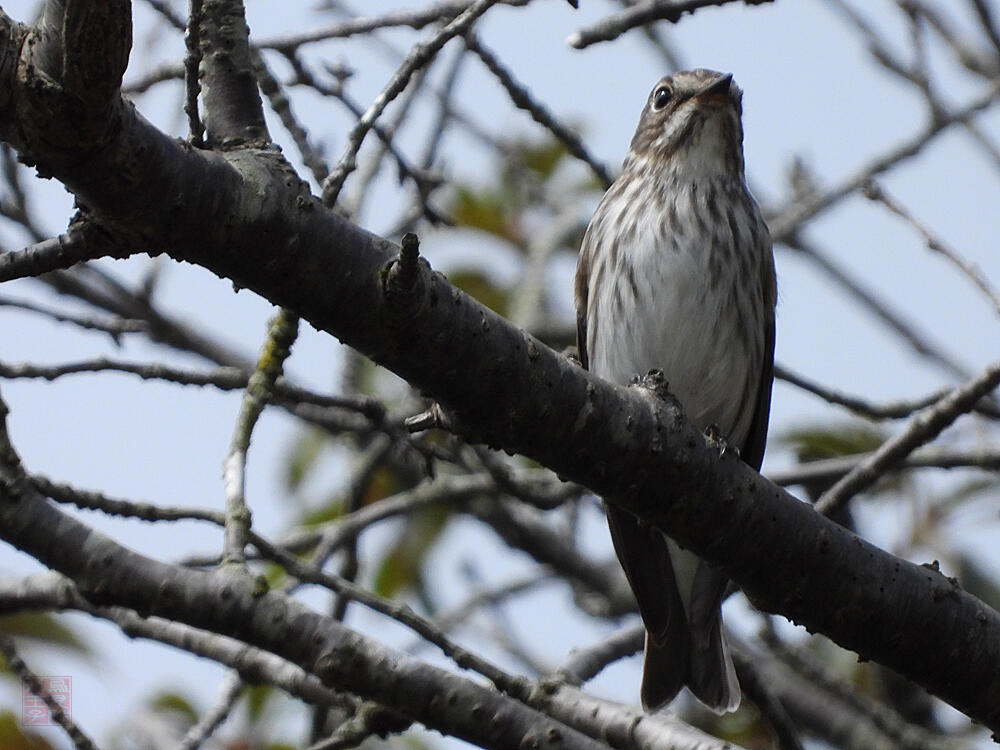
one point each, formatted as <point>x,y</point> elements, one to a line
<point>400,566</point>
<point>173,703</point>
<point>745,727</point>
<point>12,737</point>
<point>814,443</point>
<point>818,442</point>
<point>485,210</point>
<point>44,628</point>
<point>302,457</point>
<point>257,699</point>
<point>502,207</point>
<point>481,287</point>
<point>978,580</point>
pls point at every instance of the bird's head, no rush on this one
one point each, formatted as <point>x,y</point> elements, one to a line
<point>691,120</point>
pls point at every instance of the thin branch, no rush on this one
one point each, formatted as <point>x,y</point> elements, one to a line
<point>929,457</point>
<point>352,204</point>
<point>143,83</point>
<point>641,14</point>
<point>114,327</point>
<point>834,709</point>
<point>192,63</point>
<point>271,87</point>
<point>448,620</point>
<point>875,192</point>
<point>522,99</point>
<point>785,224</point>
<point>758,688</point>
<point>402,613</point>
<point>16,665</point>
<point>422,179</point>
<point>417,57</point>
<point>451,489</point>
<point>281,334</point>
<point>414,19</point>
<point>921,429</point>
<point>909,333</point>
<point>223,378</point>
<point>56,253</point>
<point>586,663</point>
<point>893,410</point>
<point>64,493</point>
<point>988,22</point>
<point>229,692</point>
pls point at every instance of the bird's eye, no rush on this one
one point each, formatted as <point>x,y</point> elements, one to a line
<point>660,97</point>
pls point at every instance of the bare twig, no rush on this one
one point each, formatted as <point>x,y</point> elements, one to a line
<point>641,14</point>
<point>830,469</point>
<point>223,378</point>
<point>586,663</point>
<point>114,327</point>
<point>16,665</point>
<point>786,223</point>
<point>893,410</point>
<point>419,56</point>
<point>415,19</point>
<point>281,334</point>
<point>60,252</point>
<point>523,99</point>
<point>876,192</point>
<point>229,692</point>
<point>922,428</point>
<point>192,62</point>
<point>869,300</point>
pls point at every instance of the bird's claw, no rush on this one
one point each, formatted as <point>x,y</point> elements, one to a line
<point>655,382</point>
<point>715,438</point>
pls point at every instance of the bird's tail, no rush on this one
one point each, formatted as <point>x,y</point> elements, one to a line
<point>679,597</point>
<point>711,674</point>
<point>699,660</point>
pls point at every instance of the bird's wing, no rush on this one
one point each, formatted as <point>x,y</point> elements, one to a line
<point>581,294</point>
<point>752,450</point>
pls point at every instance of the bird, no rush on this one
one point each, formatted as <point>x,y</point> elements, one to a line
<point>676,273</point>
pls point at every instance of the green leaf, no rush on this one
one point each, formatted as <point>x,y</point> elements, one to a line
<point>485,210</point>
<point>541,157</point>
<point>978,580</point>
<point>258,697</point>
<point>328,511</point>
<point>13,738</point>
<point>815,443</point>
<point>43,627</point>
<point>479,286</point>
<point>400,567</point>
<point>302,457</point>
<point>173,703</point>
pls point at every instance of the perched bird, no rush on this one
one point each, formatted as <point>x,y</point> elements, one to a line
<point>676,273</point>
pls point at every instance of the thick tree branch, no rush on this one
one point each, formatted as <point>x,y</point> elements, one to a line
<point>233,112</point>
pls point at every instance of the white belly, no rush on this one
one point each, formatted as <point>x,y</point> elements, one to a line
<point>693,333</point>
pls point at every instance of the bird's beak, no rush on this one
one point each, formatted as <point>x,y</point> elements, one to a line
<point>717,88</point>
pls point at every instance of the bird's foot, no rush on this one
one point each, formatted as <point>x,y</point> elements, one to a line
<point>655,382</point>
<point>715,439</point>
